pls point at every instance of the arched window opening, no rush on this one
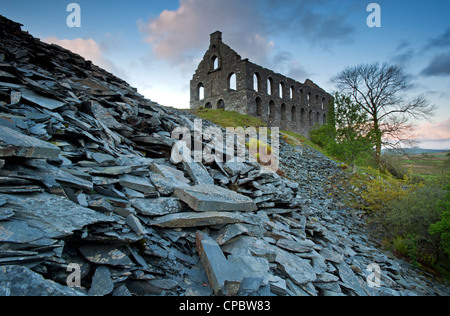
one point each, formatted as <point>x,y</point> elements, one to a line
<point>214,63</point>
<point>201,91</point>
<point>324,119</point>
<point>291,92</point>
<point>208,105</point>
<point>311,118</point>
<point>308,98</point>
<point>317,118</point>
<point>221,104</point>
<point>323,103</point>
<point>256,82</point>
<point>259,111</point>
<point>281,90</point>
<point>272,112</point>
<point>294,114</point>
<point>303,118</point>
<point>283,113</point>
<point>232,84</point>
<point>270,86</point>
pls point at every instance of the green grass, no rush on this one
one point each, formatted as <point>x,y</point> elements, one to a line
<point>228,118</point>
<point>428,167</point>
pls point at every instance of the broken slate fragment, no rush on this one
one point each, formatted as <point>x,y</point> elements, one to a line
<point>135,225</point>
<point>18,232</point>
<point>234,168</point>
<point>297,269</point>
<point>44,102</point>
<point>102,284</point>
<point>187,219</point>
<point>5,213</point>
<point>294,246</point>
<point>139,184</point>
<point>198,173</point>
<point>209,198</point>
<point>55,216</point>
<point>104,116</point>
<point>349,279</point>
<point>21,281</point>
<point>169,172</point>
<point>165,185</point>
<point>157,207</point>
<point>106,254</point>
<point>224,277</point>
<point>16,144</point>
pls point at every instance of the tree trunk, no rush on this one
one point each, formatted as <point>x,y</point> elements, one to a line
<point>377,131</point>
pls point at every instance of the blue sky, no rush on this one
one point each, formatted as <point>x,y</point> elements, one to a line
<point>156,45</point>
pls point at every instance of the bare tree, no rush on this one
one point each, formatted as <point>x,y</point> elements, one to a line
<point>378,89</point>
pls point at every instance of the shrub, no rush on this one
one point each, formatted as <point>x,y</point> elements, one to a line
<point>442,227</point>
<point>411,218</point>
<point>381,192</point>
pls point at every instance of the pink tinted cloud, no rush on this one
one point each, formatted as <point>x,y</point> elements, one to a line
<point>86,48</point>
<point>175,35</point>
<point>433,132</point>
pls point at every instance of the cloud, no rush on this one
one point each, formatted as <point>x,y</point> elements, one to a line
<point>439,66</point>
<point>434,132</point>
<point>250,27</point>
<point>322,23</point>
<point>89,49</point>
<point>441,41</point>
<point>177,36</point>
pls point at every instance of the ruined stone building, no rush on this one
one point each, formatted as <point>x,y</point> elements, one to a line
<point>224,80</point>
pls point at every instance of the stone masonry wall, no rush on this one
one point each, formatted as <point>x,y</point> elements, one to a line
<point>225,80</point>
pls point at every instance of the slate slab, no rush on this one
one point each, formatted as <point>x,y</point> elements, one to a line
<point>297,269</point>
<point>102,284</point>
<point>140,184</point>
<point>101,114</point>
<point>209,198</point>
<point>39,100</point>
<point>224,277</point>
<point>16,144</point>
<point>158,207</point>
<point>19,232</point>
<point>349,279</point>
<point>21,281</point>
<point>189,219</point>
<point>198,173</point>
<point>54,216</point>
<point>106,255</point>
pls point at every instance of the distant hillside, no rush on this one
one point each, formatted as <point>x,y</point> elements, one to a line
<point>414,150</point>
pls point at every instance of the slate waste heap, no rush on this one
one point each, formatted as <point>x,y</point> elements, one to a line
<point>92,204</point>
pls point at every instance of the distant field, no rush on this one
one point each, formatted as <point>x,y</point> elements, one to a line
<point>426,165</point>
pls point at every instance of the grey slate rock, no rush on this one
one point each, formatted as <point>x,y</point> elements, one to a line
<point>349,279</point>
<point>54,216</point>
<point>102,284</point>
<point>16,144</point>
<point>297,269</point>
<point>21,281</point>
<point>158,207</point>
<point>106,255</point>
<point>224,277</point>
<point>207,198</point>
<point>39,100</point>
<point>187,219</point>
<point>198,173</point>
<point>140,184</point>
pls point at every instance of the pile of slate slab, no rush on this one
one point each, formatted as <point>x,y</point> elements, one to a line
<point>93,200</point>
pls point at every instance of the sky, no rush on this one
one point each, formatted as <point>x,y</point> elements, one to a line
<point>156,46</point>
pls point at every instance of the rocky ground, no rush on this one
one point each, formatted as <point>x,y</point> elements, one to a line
<point>93,200</point>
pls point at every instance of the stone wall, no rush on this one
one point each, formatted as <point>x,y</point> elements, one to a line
<point>225,80</point>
